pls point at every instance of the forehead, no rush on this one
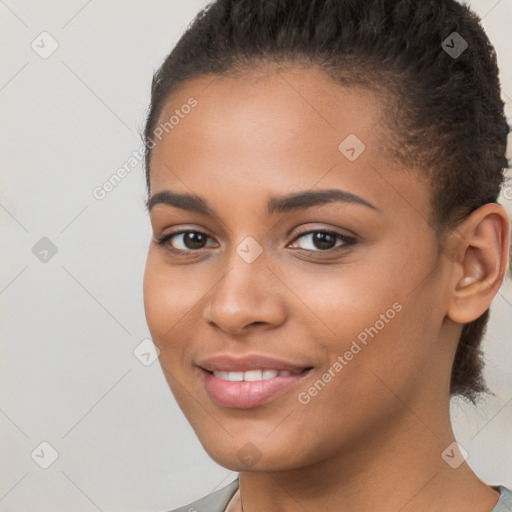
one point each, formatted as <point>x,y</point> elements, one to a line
<point>268,114</point>
<point>274,131</point>
<point>279,102</point>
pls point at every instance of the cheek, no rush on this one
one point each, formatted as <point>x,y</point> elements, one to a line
<point>344,299</point>
<point>387,354</point>
<point>164,302</point>
<point>378,334</point>
<point>166,310</point>
<point>170,296</point>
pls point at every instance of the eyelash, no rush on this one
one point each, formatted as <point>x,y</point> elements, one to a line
<point>347,241</point>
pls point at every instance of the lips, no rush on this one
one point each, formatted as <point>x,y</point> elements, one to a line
<point>231,363</point>
<point>246,395</point>
<point>243,394</point>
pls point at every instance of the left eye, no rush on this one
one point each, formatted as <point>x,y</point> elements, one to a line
<point>319,240</point>
<point>324,240</point>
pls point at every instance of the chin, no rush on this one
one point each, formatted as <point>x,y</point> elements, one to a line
<point>243,455</point>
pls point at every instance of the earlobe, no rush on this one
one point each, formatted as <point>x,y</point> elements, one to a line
<point>479,271</point>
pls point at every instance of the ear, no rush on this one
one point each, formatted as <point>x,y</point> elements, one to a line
<point>479,263</point>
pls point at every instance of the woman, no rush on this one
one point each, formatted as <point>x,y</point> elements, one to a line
<point>322,186</point>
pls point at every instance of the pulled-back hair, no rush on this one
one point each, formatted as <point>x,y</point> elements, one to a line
<point>443,112</point>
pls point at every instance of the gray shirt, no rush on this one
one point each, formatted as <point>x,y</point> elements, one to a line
<point>218,500</point>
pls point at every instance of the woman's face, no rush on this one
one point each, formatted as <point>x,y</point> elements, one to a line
<point>365,307</point>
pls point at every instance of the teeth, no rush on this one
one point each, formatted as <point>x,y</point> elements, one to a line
<point>254,375</point>
<point>251,375</point>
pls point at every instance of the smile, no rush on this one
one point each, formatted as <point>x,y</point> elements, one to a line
<point>244,390</point>
<point>251,375</point>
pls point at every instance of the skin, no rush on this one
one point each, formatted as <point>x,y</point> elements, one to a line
<point>384,419</point>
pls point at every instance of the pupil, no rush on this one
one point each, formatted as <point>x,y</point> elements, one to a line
<point>191,240</point>
<point>319,239</point>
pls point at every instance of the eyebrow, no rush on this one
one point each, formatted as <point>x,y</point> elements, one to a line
<point>276,204</point>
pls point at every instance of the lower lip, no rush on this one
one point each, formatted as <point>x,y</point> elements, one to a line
<point>247,394</point>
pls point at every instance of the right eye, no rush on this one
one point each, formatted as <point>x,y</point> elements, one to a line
<point>189,241</point>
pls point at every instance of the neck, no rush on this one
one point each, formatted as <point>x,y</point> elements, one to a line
<point>401,468</point>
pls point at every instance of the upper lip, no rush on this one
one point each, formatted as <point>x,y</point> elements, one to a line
<point>231,363</point>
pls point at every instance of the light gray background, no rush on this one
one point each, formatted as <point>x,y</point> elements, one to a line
<point>69,376</point>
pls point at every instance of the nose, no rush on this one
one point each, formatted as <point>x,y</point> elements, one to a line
<point>248,294</point>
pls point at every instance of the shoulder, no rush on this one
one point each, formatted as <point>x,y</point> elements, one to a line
<point>218,500</point>
<point>214,502</point>
<point>505,502</point>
